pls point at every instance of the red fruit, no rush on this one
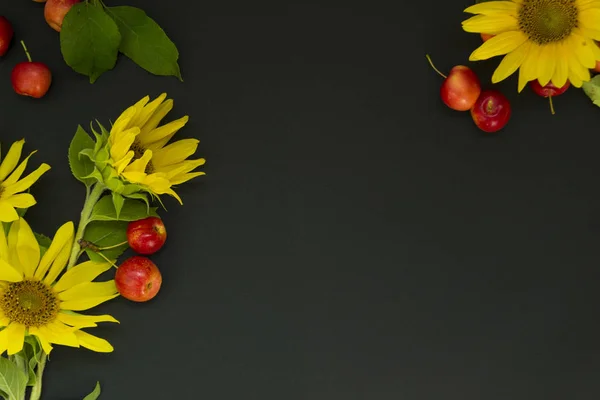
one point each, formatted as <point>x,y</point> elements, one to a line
<point>138,279</point>
<point>548,91</point>
<point>461,87</point>
<point>486,36</point>
<point>6,35</point>
<point>491,111</point>
<point>30,78</point>
<point>146,236</point>
<point>55,11</point>
<point>597,67</point>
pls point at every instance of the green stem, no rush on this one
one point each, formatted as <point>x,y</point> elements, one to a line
<point>36,390</point>
<point>91,199</point>
<point>26,51</point>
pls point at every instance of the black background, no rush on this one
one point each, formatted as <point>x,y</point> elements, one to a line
<point>353,238</point>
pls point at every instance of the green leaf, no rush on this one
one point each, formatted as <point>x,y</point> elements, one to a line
<point>592,89</point>
<point>131,210</point>
<point>118,201</point>
<point>95,394</point>
<point>13,381</point>
<point>89,40</point>
<point>143,197</point>
<point>145,42</point>
<point>95,175</point>
<point>29,357</point>
<point>44,242</point>
<point>106,234</point>
<point>81,167</point>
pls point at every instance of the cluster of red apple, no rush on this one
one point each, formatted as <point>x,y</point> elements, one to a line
<point>138,278</point>
<point>29,78</point>
<point>490,109</point>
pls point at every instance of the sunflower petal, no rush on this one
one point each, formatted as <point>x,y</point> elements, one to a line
<point>46,346</point>
<point>510,63</point>
<point>528,71</point>
<point>84,321</point>
<point>59,333</point>
<point>28,249</point>
<point>81,273</point>
<point>561,72</point>
<point>62,238</point>
<point>3,246</point>
<point>590,18</point>
<point>11,159</point>
<point>167,130</point>
<point>176,152</point>
<point>89,290</point>
<point>16,174</point>
<point>21,200</point>
<point>491,24</point>
<point>122,145</point>
<point>93,343</point>
<point>182,178</point>
<point>498,45</point>
<point>147,111</point>
<point>9,273</point>
<point>582,51</point>
<point>7,212</point>
<point>85,303</point>
<point>546,63</point>
<point>59,263</point>
<point>140,164</point>
<point>591,33</point>
<point>3,341</point>
<point>15,336</point>
<point>26,182</point>
<point>157,117</point>
<point>494,7</point>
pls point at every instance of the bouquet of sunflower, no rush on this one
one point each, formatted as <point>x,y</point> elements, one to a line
<point>45,285</point>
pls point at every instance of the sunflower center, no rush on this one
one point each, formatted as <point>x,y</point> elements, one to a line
<point>138,152</point>
<point>29,302</point>
<point>546,21</point>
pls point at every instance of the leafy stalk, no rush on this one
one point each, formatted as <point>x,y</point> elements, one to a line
<point>36,390</point>
<point>91,199</point>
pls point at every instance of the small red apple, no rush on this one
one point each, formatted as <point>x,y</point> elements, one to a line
<point>491,111</point>
<point>146,236</point>
<point>460,88</point>
<point>6,35</point>
<point>55,11</point>
<point>138,279</point>
<point>486,36</point>
<point>549,91</point>
<point>30,78</point>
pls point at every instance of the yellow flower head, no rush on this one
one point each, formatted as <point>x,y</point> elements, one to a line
<point>34,302</point>
<point>547,40</point>
<point>11,184</point>
<point>140,153</point>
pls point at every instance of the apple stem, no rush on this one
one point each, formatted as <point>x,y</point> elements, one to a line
<point>26,51</point>
<point>433,66</point>
<point>551,104</point>
<point>107,260</point>
<point>114,246</point>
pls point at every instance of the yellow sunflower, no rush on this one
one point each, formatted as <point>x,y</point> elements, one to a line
<point>547,40</point>
<point>34,302</point>
<point>11,184</point>
<point>140,153</point>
